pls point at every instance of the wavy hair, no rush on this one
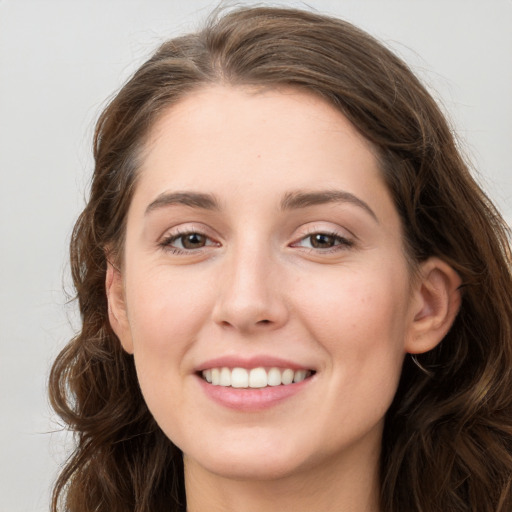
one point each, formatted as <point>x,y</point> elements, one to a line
<point>447,443</point>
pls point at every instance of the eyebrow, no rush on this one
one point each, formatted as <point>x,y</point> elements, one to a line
<point>193,199</point>
<point>291,200</point>
<point>302,199</point>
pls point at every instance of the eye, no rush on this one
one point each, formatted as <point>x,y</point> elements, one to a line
<point>187,241</point>
<point>323,241</point>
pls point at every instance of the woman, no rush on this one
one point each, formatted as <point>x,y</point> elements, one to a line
<point>294,295</point>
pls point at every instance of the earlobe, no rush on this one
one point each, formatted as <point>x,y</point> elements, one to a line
<point>117,306</point>
<point>437,302</point>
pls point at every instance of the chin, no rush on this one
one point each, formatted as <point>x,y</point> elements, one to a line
<point>250,463</point>
<point>244,470</point>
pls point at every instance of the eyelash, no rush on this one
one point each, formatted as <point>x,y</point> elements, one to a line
<point>340,242</point>
<point>168,240</point>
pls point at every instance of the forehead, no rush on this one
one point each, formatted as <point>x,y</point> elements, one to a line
<point>238,127</point>
<point>252,108</point>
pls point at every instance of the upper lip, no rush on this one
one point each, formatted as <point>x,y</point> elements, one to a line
<point>264,361</point>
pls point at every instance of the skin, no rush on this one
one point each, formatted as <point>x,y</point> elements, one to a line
<point>256,284</point>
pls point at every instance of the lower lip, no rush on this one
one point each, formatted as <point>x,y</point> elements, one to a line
<point>252,399</point>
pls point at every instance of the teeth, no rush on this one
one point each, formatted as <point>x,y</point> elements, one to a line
<point>239,378</point>
<point>258,378</point>
<point>299,376</point>
<point>287,377</point>
<point>274,377</point>
<point>254,378</point>
<point>225,377</point>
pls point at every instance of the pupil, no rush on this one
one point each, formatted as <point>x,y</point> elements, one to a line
<point>193,240</point>
<point>321,241</point>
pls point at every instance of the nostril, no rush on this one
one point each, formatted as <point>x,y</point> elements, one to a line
<point>263,322</point>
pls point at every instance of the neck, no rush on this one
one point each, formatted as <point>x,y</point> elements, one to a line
<point>350,485</point>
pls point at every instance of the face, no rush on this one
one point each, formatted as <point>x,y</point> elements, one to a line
<point>265,293</point>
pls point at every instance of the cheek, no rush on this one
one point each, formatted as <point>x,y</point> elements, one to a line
<point>360,320</point>
<point>166,314</point>
<point>357,302</point>
<point>164,307</point>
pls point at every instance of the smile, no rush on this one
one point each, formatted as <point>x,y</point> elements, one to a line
<point>254,378</point>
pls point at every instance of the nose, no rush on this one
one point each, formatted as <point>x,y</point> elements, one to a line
<point>251,296</point>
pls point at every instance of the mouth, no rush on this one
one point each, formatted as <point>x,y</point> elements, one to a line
<point>254,378</point>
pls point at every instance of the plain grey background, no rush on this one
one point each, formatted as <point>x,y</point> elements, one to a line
<point>59,62</point>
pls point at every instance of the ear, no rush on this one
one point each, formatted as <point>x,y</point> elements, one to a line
<point>117,315</point>
<point>436,304</point>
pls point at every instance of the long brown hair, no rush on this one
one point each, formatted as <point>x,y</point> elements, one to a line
<point>447,443</point>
